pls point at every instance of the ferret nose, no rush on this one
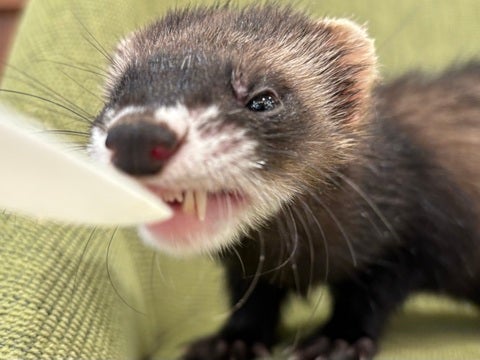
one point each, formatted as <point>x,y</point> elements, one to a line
<point>141,148</point>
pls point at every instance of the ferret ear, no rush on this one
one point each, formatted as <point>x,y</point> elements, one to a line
<point>351,64</point>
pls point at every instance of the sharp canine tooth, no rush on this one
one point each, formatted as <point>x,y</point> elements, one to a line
<point>189,202</point>
<point>201,204</point>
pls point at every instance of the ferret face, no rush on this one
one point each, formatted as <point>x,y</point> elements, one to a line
<point>227,115</point>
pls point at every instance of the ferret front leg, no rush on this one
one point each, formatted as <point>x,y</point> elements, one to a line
<point>250,330</point>
<point>361,307</point>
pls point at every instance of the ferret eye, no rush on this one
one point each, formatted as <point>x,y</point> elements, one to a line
<point>263,102</point>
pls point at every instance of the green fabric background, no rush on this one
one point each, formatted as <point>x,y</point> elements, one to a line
<point>99,293</point>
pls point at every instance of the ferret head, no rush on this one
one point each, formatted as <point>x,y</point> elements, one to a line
<point>230,114</point>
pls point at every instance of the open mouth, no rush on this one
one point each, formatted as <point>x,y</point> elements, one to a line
<point>193,202</point>
<point>197,215</point>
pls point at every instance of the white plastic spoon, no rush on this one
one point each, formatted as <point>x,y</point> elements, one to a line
<point>41,178</point>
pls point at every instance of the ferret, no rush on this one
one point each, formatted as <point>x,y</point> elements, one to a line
<point>273,142</point>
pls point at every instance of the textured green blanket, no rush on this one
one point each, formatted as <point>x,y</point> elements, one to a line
<point>99,293</point>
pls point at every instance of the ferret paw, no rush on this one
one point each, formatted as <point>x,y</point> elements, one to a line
<point>218,348</point>
<point>324,348</point>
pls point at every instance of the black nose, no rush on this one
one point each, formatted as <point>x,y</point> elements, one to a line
<point>141,148</point>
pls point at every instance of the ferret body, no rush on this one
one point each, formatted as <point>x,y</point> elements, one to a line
<point>269,137</point>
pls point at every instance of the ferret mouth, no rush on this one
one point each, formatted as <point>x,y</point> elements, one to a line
<point>192,202</point>
<point>198,216</point>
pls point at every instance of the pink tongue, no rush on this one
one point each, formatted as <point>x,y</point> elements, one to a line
<point>181,226</point>
<point>185,229</point>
